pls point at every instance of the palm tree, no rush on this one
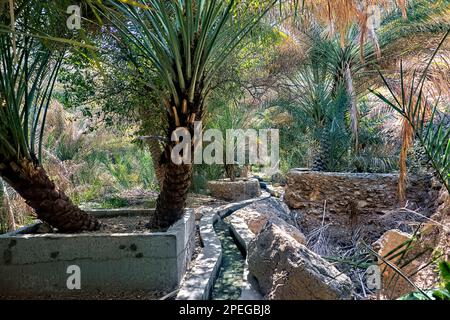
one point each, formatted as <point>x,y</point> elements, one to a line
<point>28,72</point>
<point>348,60</point>
<point>421,120</point>
<point>186,42</point>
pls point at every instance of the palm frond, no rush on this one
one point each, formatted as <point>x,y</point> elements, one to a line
<point>27,78</point>
<point>422,120</point>
<point>186,41</point>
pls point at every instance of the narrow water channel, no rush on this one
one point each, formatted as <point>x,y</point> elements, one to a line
<point>229,281</point>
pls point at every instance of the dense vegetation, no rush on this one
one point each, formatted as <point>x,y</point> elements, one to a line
<point>92,109</point>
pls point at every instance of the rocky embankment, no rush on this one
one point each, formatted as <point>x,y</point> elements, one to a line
<point>310,247</point>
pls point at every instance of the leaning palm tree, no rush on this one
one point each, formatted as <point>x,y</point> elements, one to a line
<point>186,41</point>
<point>28,72</point>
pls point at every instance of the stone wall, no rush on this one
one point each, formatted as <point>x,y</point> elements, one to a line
<point>352,199</point>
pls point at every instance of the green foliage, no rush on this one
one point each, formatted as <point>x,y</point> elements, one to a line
<point>427,295</point>
<point>110,90</point>
<point>444,293</point>
<point>91,193</point>
<point>438,294</point>
<point>127,166</point>
<point>204,173</point>
<point>32,46</point>
<point>68,147</point>
<point>114,202</point>
<point>25,93</point>
<point>185,41</point>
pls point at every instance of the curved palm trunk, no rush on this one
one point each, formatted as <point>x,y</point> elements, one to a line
<point>177,179</point>
<point>51,205</point>
<point>172,198</point>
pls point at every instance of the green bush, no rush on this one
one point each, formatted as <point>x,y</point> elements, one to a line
<point>442,293</point>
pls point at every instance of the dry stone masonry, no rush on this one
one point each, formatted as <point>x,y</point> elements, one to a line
<point>348,201</point>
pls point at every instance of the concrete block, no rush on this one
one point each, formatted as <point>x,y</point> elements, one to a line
<point>37,263</point>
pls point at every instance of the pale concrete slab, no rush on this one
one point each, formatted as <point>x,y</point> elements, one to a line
<point>37,263</point>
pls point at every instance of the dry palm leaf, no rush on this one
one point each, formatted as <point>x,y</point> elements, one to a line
<point>341,14</point>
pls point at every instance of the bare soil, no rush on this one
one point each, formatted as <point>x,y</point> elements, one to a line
<point>133,224</point>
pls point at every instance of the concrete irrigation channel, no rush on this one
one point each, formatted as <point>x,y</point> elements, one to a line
<point>229,280</point>
<point>220,270</point>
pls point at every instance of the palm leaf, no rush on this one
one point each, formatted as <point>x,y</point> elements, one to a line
<point>432,133</point>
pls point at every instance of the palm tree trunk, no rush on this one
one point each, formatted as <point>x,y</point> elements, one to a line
<point>51,205</point>
<point>323,154</point>
<point>177,179</point>
<point>172,198</point>
<point>230,171</point>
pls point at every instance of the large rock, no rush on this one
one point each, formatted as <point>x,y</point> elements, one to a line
<point>259,213</point>
<point>287,270</point>
<point>388,247</point>
<point>238,190</point>
<point>432,238</point>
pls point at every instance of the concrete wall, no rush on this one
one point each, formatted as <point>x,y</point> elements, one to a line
<point>37,263</point>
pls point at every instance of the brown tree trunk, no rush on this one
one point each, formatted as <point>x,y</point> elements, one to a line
<point>177,179</point>
<point>230,171</point>
<point>172,198</point>
<point>51,205</point>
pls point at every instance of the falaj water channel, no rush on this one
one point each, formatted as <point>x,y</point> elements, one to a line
<point>229,281</point>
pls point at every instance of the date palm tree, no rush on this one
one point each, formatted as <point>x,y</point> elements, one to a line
<point>421,120</point>
<point>28,72</point>
<point>351,61</point>
<point>186,41</point>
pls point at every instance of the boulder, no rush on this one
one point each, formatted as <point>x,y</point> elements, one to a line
<point>286,270</point>
<point>259,213</point>
<point>414,256</point>
<point>390,240</point>
<point>238,190</point>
